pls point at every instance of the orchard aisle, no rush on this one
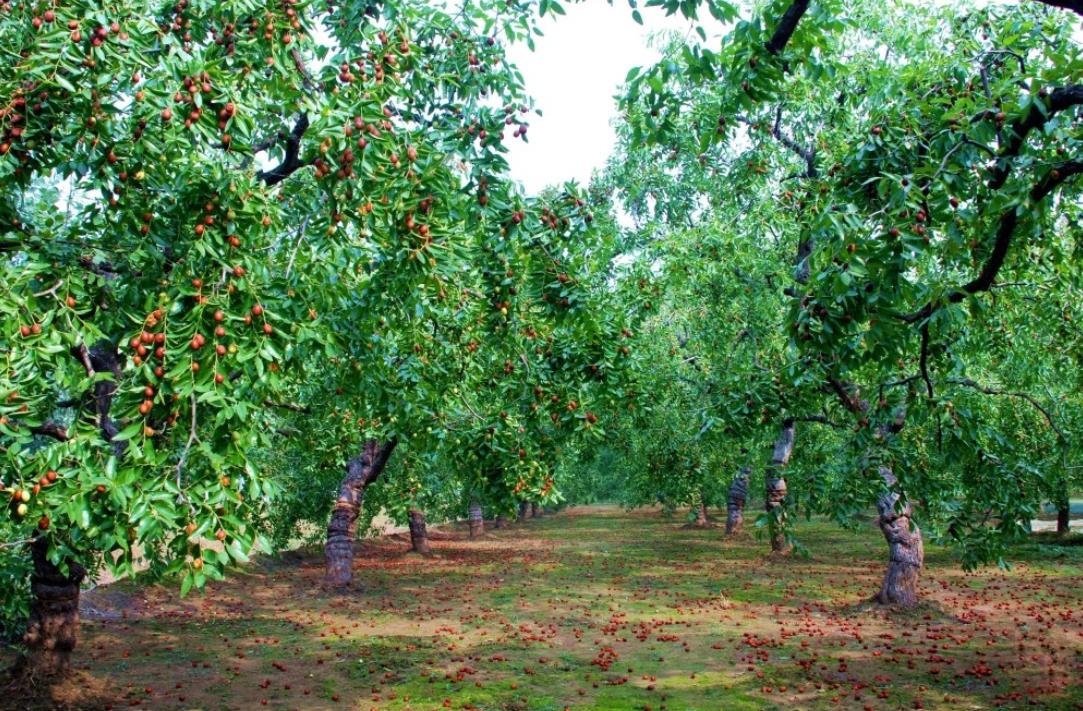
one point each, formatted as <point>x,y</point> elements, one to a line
<point>593,608</point>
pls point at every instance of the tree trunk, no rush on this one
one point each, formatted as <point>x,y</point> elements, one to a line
<point>776,487</point>
<point>500,521</point>
<point>342,529</point>
<point>477,524</point>
<point>419,534</point>
<point>536,511</point>
<point>701,513</point>
<point>53,625</point>
<point>54,616</point>
<point>735,505</point>
<point>1064,519</point>
<point>900,586</point>
<point>523,508</point>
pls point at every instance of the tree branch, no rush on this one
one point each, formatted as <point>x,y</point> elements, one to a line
<point>821,419</point>
<point>968,383</point>
<point>306,78</point>
<point>1075,6</point>
<point>787,26</point>
<point>924,362</point>
<point>853,403</point>
<point>288,406</point>
<point>807,154</point>
<point>291,161</point>
<point>1058,100</point>
<point>1009,219</point>
<point>52,429</point>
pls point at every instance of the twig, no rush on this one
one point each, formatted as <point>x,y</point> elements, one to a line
<point>51,290</point>
<point>187,446</point>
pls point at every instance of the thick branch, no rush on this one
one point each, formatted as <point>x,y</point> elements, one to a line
<point>808,154</point>
<point>787,26</point>
<point>291,162</point>
<point>104,358</point>
<point>851,402</point>
<point>298,62</point>
<point>1006,227</point>
<point>1057,101</point>
<point>51,429</point>
<point>1075,6</point>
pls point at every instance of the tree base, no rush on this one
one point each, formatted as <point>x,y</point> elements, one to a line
<point>72,691</point>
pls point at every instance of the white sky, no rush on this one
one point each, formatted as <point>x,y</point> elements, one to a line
<point>573,75</point>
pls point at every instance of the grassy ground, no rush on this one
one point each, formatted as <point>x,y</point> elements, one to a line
<point>596,609</point>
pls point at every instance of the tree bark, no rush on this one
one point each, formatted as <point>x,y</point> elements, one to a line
<point>701,512</point>
<point>776,487</point>
<point>735,505</point>
<point>524,507</point>
<point>900,586</point>
<point>536,511</point>
<point>342,528</point>
<point>54,616</point>
<point>419,533</point>
<point>500,521</point>
<point>477,523</point>
<point>53,625</point>
<point>1064,518</point>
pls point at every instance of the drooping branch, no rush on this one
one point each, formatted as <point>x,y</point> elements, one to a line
<point>786,26</point>
<point>1058,100</point>
<point>1009,219</point>
<point>291,162</point>
<point>968,383</point>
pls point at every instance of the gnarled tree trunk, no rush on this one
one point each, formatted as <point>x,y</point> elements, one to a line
<point>536,511</point>
<point>776,487</point>
<point>735,504</point>
<point>54,616</point>
<point>342,529</point>
<point>900,586</point>
<point>477,523</point>
<point>419,533</point>
<point>500,521</point>
<point>524,507</point>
